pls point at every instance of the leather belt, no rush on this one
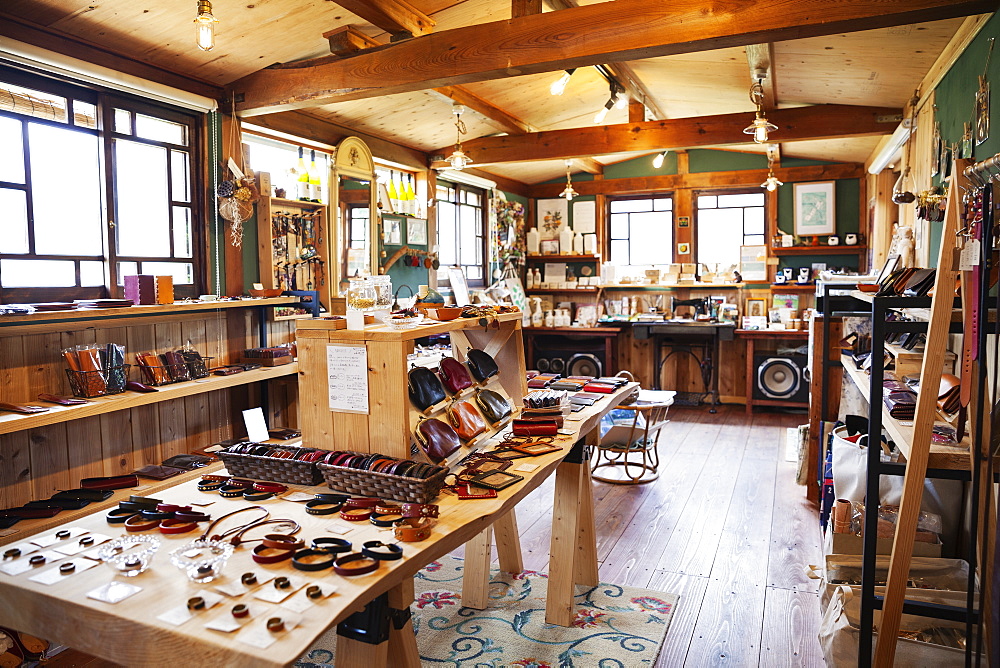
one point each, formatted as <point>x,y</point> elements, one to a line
<point>312,560</point>
<point>355,564</point>
<point>330,544</point>
<point>413,529</point>
<point>419,510</point>
<point>390,551</point>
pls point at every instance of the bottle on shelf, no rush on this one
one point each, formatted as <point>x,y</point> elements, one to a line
<point>578,244</point>
<point>566,241</point>
<point>534,241</point>
<point>529,280</point>
<point>590,244</point>
<point>393,195</point>
<point>315,185</point>
<point>411,196</point>
<point>538,278</point>
<point>302,185</point>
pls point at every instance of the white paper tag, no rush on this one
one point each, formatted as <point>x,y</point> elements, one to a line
<point>234,168</point>
<point>227,623</point>
<point>258,635</point>
<point>970,255</point>
<point>339,529</point>
<point>300,602</point>
<point>253,418</point>
<point>182,613</point>
<point>25,548</point>
<point>53,575</point>
<point>213,448</point>
<point>236,588</point>
<point>298,497</point>
<point>114,592</point>
<point>566,432</point>
<point>272,594</point>
<point>22,565</point>
<point>51,539</point>
<point>527,468</point>
<point>75,547</point>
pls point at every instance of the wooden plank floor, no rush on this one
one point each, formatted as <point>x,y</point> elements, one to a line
<point>725,527</point>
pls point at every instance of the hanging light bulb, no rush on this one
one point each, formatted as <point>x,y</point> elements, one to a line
<point>458,159</point>
<point>622,100</point>
<point>559,85</point>
<point>760,126</point>
<point>603,113</point>
<point>206,25</point>
<point>658,160</point>
<point>568,191</point>
<point>771,183</point>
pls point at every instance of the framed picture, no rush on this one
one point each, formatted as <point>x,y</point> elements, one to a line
<point>756,308</point>
<point>753,263</point>
<point>393,232</point>
<point>552,217</point>
<point>683,248</point>
<point>416,232</point>
<point>814,209</point>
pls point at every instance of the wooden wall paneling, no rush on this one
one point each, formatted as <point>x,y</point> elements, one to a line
<point>145,420</point>
<point>197,408</point>
<point>14,371</point>
<point>314,407</point>
<point>84,448</point>
<point>173,422</point>
<point>116,428</point>
<point>817,411</point>
<point>49,455</point>
<point>15,470</point>
<point>219,402</point>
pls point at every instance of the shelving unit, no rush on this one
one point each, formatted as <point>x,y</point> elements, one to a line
<point>819,250</point>
<point>549,291</point>
<point>563,258</point>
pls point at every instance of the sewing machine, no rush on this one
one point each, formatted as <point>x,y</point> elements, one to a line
<point>698,305</point>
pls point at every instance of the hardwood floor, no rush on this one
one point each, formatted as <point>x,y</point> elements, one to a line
<point>725,527</point>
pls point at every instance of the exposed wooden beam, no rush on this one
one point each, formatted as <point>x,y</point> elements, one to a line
<point>42,37</point>
<point>397,17</point>
<point>503,183</point>
<point>575,37</point>
<point>347,40</point>
<point>760,58</point>
<point>503,120</point>
<point>955,48</point>
<point>734,179</point>
<point>636,112</point>
<point>636,89</point>
<point>824,121</point>
<point>519,8</point>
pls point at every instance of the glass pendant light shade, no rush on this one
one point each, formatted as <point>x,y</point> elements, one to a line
<point>568,191</point>
<point>458,159</point>
<point>760,128</point>
<point>772,182</point>
<point>205,23</point>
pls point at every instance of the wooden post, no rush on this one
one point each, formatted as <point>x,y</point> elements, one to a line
<point>509,543</point>
<point>565,537</point>
<point>476,577</point>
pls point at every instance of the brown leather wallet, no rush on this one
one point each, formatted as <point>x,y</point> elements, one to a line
<point>437,439</point>
<point>62,400</point>
<point>110,482</point>
<point>24,409</point>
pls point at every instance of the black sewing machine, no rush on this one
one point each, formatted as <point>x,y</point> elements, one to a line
<point>699,306</point>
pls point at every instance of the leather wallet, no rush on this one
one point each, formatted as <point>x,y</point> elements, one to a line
<point>454,375</point>
<point>158,472</point>
<point>493,406</point>
<point>901,405</point>
<point>61,399</point>
<point>437,439</point>
<point>176,366</point>
<point>531,428</point>
<point>481,364</point>
<point>425,387</point>
<point>894,282</point>
<point>110,482</point>
<point>949,394</point>
<point>466,419</point>
<point>599,387</point>
<point>22,409</point>
<point>919,283</point>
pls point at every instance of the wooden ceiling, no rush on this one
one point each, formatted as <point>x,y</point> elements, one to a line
<point>874,68</point>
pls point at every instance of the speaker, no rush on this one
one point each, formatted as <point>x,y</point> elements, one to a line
<point>781,378</point>
<point>569,357</point>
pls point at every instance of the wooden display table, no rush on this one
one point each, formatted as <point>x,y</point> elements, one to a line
<point>129,632</point>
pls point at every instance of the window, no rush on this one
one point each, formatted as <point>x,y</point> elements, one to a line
<point>461,227</point>
<point>82,207</point>
<point>641,230</point>
<point>727,221</point>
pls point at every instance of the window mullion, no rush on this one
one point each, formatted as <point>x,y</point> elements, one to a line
<point>109,204</point>
<point>29,199</point>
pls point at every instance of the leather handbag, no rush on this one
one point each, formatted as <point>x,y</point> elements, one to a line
<point>425,387</point>
<point>437,439</point>
<point>466,419</point>
<point>481,364</point>
<point>454,375</point>
<point>493,406</point>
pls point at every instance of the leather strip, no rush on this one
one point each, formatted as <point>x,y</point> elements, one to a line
<point>361,502</point>
<point>355,514</point>
<point>312,560</point>
<point>139,523</point>
<point>330,544</point>
<point>412,530</point>
<point>322,507</point>
<point>271,555</point>
<point>272,487</point>
<point>419,510</point>
<point>173,526</point>
<point>355,564</point>
<point>390,552</point>
<point>386,519</point>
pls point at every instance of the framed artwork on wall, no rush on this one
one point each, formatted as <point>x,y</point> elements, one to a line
<point>416,232</point>
<point>814,209</point>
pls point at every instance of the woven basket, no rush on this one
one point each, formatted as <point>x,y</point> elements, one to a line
<point>382,485</point>
<point>270,468</point>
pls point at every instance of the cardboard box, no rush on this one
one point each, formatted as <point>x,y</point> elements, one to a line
<point>849,543</point>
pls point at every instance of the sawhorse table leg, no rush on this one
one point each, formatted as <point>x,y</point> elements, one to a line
<point>381,634</point>
<point>476,577</point>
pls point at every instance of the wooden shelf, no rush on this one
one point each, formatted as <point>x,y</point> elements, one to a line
<point>773,334</point>
<point>11,422</point>
<point>819,250</point>
<point>549,291</point>
<point>563,258</point>
<point>672,286</point>
<point>941,456</point>
<point>297,202</point>
<point>404,217</point>
<point>793,287</point>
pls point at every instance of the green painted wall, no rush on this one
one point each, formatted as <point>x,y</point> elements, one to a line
<point>847,207</point>
<point>706,160</point>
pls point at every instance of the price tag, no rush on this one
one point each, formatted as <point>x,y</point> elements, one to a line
<point>970,255</point>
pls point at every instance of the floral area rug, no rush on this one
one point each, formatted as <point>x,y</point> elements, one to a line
<point>615,626</point>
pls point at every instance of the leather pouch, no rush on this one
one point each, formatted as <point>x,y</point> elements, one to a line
<point>425,387</point>
<point>493,406</point>
<point>466,419</point>
<point>530,428</point>
<point>437,439</point>
<point>454,375</point>
<point>481,364</point>
<point>919,283</point>
<point>176,366</point>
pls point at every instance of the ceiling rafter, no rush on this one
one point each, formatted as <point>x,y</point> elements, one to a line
<point>824,121</point>
<point>397,17</point>
<point>576,37</point>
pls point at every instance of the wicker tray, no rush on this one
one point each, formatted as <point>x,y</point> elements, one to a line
<point>382,485</point>
<point>270,468</point>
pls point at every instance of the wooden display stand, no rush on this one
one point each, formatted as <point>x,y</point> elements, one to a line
<point>388,425</point>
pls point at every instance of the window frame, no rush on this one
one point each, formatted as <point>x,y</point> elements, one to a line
<point>665,194</point>
<point>106,101</point>
<point>715,192</point>
<point>482,233</point>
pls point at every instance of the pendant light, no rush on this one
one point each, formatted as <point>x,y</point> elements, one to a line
<point>568,192</point>
<point>658,160</point>
<point>760,126</point>
<point>458,160</point>
<point>206,25</point>
<point>771,183</point>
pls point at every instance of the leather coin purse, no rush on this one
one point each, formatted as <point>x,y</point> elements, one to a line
<point>454,375</point>
<point>425,387</point>
<point>466,419</point>
<point>481,364</point>
<point>437,439</point>
<point>494,406</point>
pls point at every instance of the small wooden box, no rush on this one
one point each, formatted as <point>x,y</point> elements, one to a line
<point>164,289</point>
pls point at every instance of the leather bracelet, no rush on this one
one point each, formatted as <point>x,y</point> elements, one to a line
<point>135,507</point>
<point>355,514</point>
<point>385,519</point>
<point>322,507</point>
<point>271,555</point>
<point>214,478</point>
<point>343,565</point>
<point>240,482</point>
<point>302,560</point>
<point>413,529</point>
<point>331,544</point>
<point>257,496</point>
<point>275,625</point>
<point>172,508</point>
<point>192,516</point>
<point>385,508</point>
<point>272,487</point>
<point>361,502</point>
<point>241,610</point>
<point>139,523</point>
<point>230,491</point>
<point>171,526</point>
<point>280,541</point>
<point>332,498</point>
<point>119,516</point>
<point>210,486</point>
<point>156,515</point>
<point>419,510</point>
<point>391,553</point>
<point>145,500</point>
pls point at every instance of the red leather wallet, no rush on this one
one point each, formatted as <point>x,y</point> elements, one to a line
<point>598,387</point>
<point>525,428</point>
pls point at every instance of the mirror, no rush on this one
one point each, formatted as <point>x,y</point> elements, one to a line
<point>353,199</point>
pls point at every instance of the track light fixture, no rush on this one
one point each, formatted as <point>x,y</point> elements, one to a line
<point>617,94</point>
<point>205,22</point>
<point>760,126</point>
<point>458,159</point>
<point>559,85</point>
<point>658,160</point>
<point>568,192</point>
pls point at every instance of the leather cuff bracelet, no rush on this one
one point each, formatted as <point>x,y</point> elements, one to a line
<point>192,516</point>
<point>332,498</point>
<point>172,526</point>
<point>332,545</point>
<point>355,514</point>
<point>376,549</point>
<point>355,564</point>
<point>280,541</point>
<point>139,523</point>
<point>136,507</point>
<point>413,529</point>
<point>389,509</point>
<point>272,487</point>
<point>156,515</point>
<point>271,555</point>
<point>231,491</point>
<point>312,560</point>
<point>385,519</point>
<point>257,496</point>
<point>322,507</point>
<point>362,502</point>
<point>145,500</point>
<point>419,510</point>
<point>119,516</point>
